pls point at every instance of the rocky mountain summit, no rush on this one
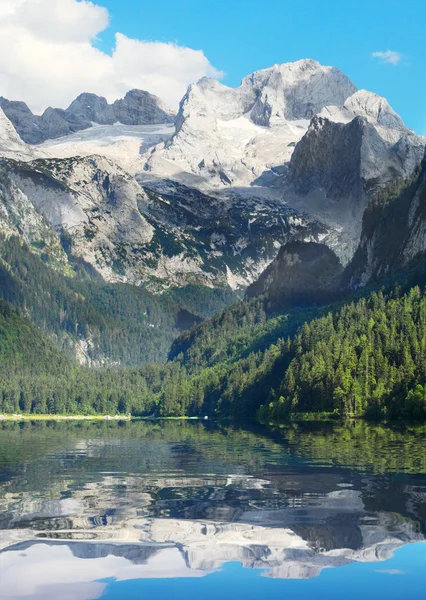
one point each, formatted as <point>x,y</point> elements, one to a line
<point>232,136</point>
<point>349,153</point>
<point>136,108</point>
<point>235,136</point>
<point>292,155</point>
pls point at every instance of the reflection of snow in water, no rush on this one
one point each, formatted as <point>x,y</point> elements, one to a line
<point>163,548</point>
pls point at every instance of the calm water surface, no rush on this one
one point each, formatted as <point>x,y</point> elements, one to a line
<point>186,510</point>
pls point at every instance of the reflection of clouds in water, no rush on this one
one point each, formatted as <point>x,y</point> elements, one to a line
<point>53,571</point>
<point>172,548</point>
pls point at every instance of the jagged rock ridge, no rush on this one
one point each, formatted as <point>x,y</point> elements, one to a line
<point>228,135</point>
<point>136,108</point>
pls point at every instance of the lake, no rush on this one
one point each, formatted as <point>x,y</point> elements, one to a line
<point>188,510</point>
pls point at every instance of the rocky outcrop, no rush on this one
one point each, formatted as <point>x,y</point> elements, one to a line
<point>348,161</point>
<point>90,108</point>
<point>141,108</point>
<point>26,125</point>
<point>345,157</point>
<point>329,157</point>
<point>302,273</point>
<point>393,231</point>
<point>136,108</point>
<point>9,139</point>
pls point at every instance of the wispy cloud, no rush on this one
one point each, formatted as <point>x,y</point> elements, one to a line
<point>389,57</point>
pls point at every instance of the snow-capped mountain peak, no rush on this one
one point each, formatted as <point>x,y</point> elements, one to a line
<point>297,90</point>
<point>239,136</point>
<point>295,151</point>
<point>291,91</point>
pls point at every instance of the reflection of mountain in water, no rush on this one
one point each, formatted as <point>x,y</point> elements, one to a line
<point>182,502</point>
<point>205,546</point>
<point>282,523</point>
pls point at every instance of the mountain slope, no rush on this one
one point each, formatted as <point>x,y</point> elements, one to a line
<point>294,153</point>
<point>23,347</point>
<point>393,233</point>
<point>156,234</point>
<point>96,323</point>
<point>302,273</point>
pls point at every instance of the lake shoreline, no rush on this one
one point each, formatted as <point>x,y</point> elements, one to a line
<point>19,417</point>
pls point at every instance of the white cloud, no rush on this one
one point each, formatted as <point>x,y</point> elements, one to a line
<point>388,56</point>
<point>48,56</point>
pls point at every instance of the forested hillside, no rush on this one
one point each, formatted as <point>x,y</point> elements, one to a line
<point>369,358</point>
<point>89,319</point>
<point>36,377</point>
<point>364,358</point>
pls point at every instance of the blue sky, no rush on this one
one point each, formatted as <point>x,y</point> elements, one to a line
<point>241,36</point>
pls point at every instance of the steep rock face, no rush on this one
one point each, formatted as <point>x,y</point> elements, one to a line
<point>329,157</point>
<point>22,119</point>
<point>11,145</point>
<point>346,156</point>
<point>90,108</point>
<point>89,204</point>
<point>53,123</point>
<point>393,232</point>
<point>347,160</point>
<point>303,272</point>
<point>136,108</point>
<point>9,139</point>
<point>18,216</point>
